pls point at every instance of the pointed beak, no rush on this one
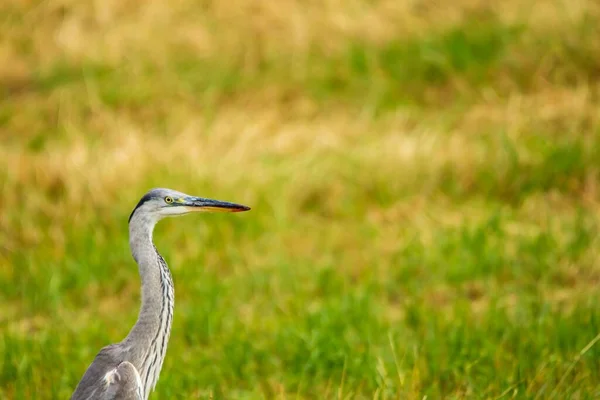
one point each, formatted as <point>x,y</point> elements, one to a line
<point>208,205</point>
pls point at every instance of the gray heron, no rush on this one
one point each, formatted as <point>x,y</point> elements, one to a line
<point>130,369</point>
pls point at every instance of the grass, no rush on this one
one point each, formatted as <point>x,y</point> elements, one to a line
<point>423,182</point>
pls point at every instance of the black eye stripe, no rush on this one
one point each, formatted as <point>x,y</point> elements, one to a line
<point>147,197</point>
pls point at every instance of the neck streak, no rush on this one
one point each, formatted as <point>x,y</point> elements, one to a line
<point>147,340</point>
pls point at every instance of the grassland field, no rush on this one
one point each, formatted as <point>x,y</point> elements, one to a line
<point>423,177</point>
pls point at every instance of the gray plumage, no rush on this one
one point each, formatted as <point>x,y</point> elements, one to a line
<point>129,370</point>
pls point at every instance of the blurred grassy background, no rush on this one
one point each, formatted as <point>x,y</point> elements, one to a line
<point>423,177</point>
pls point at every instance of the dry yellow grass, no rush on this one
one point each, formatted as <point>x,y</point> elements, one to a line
<point>394,246</point>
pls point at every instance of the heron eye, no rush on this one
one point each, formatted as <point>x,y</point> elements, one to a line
<point>168,200</point>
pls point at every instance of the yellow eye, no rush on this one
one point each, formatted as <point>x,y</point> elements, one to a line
<point>168,200</point>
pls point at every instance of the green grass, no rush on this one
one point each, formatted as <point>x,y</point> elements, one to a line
<point>423,184</point>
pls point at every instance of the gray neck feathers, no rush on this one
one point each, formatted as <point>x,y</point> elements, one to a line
<point>146,343</point>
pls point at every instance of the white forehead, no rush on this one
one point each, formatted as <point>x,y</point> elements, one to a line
<point>163,192</point>
<point>154,197</point>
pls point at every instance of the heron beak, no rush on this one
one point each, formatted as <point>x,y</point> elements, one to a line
<point>196,204</point>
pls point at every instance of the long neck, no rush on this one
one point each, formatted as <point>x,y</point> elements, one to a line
<point>147,340</point>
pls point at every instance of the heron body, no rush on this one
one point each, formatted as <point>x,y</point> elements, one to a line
<point>129,370</point>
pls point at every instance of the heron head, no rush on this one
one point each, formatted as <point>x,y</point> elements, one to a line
<point>160,203</point>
